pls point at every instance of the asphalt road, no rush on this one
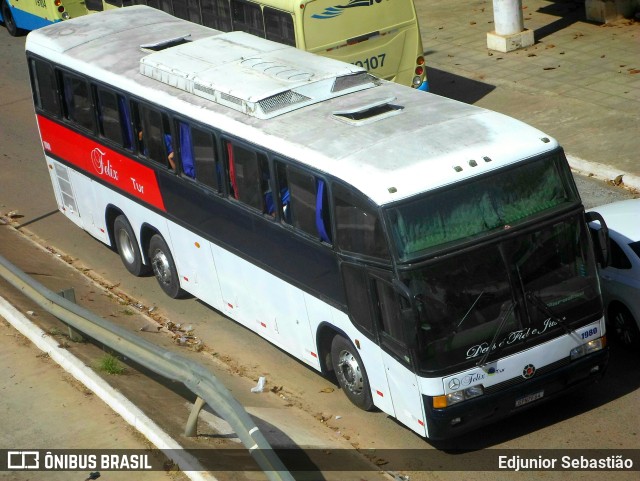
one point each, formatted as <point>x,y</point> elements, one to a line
<point>602,416</point>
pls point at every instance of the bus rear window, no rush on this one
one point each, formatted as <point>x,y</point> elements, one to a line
<point>327,22</point>
<point>279,26</point>
<point>482,206</point>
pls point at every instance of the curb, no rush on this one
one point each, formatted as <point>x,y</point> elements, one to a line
<point>114,399</point>
<point>602,172</point>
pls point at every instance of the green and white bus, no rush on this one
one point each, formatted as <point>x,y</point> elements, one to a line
<point>432,255</point>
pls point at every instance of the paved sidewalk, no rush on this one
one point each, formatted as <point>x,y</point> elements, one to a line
<point>580,81</point>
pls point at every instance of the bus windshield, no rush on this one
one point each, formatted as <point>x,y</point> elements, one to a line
<point>503,297</point>
<point>480,207</point>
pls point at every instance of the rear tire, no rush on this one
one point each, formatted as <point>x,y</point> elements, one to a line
<point>127,246</point>
<point>624,328</point>
<point>9,21</point>
<point>350,372</point>
<point>164,268</point>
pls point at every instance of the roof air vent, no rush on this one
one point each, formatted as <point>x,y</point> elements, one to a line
<point>369,113</point>
<point>281,100</point>
<point>167,43</point>
<point>356,80</point>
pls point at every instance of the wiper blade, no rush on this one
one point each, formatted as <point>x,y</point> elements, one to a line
<point>455,330</point>
<point>503,320</point>
<point>547,311</point>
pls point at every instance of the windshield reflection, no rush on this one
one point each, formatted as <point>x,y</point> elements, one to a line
<point>481,206</point>
<point>463,302</point>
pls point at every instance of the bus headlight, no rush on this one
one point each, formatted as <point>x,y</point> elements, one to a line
<point>452,398</point>
<point>417,81</point>
<point>588,348</point>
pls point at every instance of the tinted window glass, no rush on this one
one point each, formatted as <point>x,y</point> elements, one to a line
<point>248,176</point>
<point>481,206</point>
<point>619,259</point>
<point>154,138</point>
<point>45,88</point>
<point>206,168</point>
<point>358,227</point>
<point>187,9</point>
<point>77,101</point>
<point>216,14</point>
<point>247,17</point>
<point>302,187</point>
<point>304,201</point>
<point>356,285</point>
<point>109,116</point>
<point>279,26</point>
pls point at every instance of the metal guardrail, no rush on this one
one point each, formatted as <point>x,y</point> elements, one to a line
<point>167,364</point>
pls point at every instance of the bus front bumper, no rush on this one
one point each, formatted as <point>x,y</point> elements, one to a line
<point>491,407</point>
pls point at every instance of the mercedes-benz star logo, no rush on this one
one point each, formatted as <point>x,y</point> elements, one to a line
<point>454,383</point>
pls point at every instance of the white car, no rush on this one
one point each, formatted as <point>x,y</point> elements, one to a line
<point>620,281</point>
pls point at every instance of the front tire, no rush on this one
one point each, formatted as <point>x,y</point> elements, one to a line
<point>350,372</point>
<point>624,328</point>
<point>164,268</point>
<point>9,21</point>
<point>127,246</point>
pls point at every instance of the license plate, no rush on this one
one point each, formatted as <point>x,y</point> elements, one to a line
<point>529,398</point>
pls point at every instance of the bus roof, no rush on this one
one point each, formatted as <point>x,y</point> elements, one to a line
<point>389,141</point>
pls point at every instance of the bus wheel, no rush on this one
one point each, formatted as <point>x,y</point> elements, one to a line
<point>9,22</point>
<point>350,372</point>
<point>624,327</point>
<point>164,268</point>
<point>128,246</point>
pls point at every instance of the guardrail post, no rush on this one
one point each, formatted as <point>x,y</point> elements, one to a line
<point>70,295</point>
<point>192,423</point>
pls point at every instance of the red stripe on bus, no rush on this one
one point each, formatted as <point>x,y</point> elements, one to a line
<point>100,161</point>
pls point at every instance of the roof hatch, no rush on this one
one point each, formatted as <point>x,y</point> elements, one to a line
<point>252,75</point>
<point>365,114</point>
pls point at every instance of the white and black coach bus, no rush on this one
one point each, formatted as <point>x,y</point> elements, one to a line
<point>432,254</point>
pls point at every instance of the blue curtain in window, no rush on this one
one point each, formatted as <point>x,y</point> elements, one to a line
<point>186,151</point>
<point>125,122</point>
<point>322,231</point>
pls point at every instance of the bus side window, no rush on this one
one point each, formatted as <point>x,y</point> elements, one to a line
<point>279,26</point>
<point>309,209</point>
<point>216,14</point>
<point>248,175</point>
<point>45,87</point>
<point>284,197</point>
<point>113,118</point>
<point>356,285</point>
<point>358,227</point>
<point>388,309</point>
<point>77,101</point>
<point>247,17</point>
<point>198,155</point>
<point>154,135</point>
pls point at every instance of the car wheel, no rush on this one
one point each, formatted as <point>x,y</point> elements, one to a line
<point>350,372</point>
<point>9,22</point>
<point>164,268</point>
<point>127,246</point>
<point>624,327</point>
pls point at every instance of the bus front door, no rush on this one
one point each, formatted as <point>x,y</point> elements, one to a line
<point>401,378</point>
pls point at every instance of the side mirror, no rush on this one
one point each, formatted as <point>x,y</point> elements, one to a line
<point>600,239</point>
